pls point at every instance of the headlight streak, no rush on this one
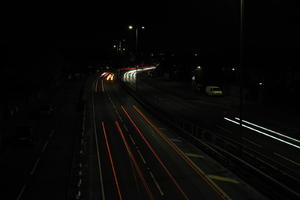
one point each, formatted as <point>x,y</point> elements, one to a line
<point>263,133</point>
<point>266,129</point>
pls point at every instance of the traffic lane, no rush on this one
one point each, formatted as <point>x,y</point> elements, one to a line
<point>179,110</point>
<point>238,191</point>
<point>160,178</point>
<point>142,169</point>
<point>193,184</point>
<point>115,161</point>
<point>208,116</point>
<point>278,151</point>
<point>188,181</point>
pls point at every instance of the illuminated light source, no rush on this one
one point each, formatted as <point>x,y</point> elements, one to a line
<point>108,77</point>
<point>124,49</point>
<point>260,83</point>
<point>233,69</point>
<point>195,54</point>
<point>143,27</point>
<point>199,67</point>
<point>130,27</point>
<point>115,46</point>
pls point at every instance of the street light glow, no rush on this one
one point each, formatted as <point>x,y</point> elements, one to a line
<point>143,27</point>
<point>130,27</point>
<point>115,46</point>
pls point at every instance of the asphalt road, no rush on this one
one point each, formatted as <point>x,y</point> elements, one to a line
<point>138,157</point>
<point>210,115</point>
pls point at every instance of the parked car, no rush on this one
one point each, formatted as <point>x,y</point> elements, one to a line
<point>213,91</point>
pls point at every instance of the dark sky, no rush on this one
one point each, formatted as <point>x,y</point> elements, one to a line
<point>180,25</point>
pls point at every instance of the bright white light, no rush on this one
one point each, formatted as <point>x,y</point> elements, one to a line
<point>115,46</point>
<point>260,83</point>
<point>258,131</point>
<point>130,27</point>
<point>143,27</point>
<point>266,129</point>
<point>233,69</point>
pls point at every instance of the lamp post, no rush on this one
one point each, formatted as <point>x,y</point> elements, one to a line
<point>136,28</point>
<point>242,51</point>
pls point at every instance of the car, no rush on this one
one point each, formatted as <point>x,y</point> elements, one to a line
<point>213,91</point>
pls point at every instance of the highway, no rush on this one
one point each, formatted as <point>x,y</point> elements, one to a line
<point>138,157</point>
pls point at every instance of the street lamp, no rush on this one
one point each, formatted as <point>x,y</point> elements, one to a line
<point>130,27</point>
<point>136,28</point>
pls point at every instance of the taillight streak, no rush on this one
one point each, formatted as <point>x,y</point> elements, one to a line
<point>111,162</point>
<point>184,157</point>
<point>137,168</point>
<point>155,154</point>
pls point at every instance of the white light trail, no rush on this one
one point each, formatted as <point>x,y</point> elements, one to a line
<point>266,129</point>
<point>258,131</point>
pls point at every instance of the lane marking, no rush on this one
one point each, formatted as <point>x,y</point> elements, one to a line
<point>111,162</point>
<point>142,157</point>
<point>45,146</point>
<point>285,158</point>
<point>266,129</point>
<point>156,184</point>
<point>125,127</point>
<point>175,140</point>
<point>35,166</point>
<point>97,148</point>
<point>196,169</point>
<point>155,154</point>
<point>258,131</point>
<point>137,168</point>
<point>132,140</point>
<point>52,133</point>
<point>251,142</point>
<point>21,192</point>
<point>194,155</point>
<point>224,179</point>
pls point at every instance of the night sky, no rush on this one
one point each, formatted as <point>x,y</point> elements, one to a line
<point>271,28</point>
